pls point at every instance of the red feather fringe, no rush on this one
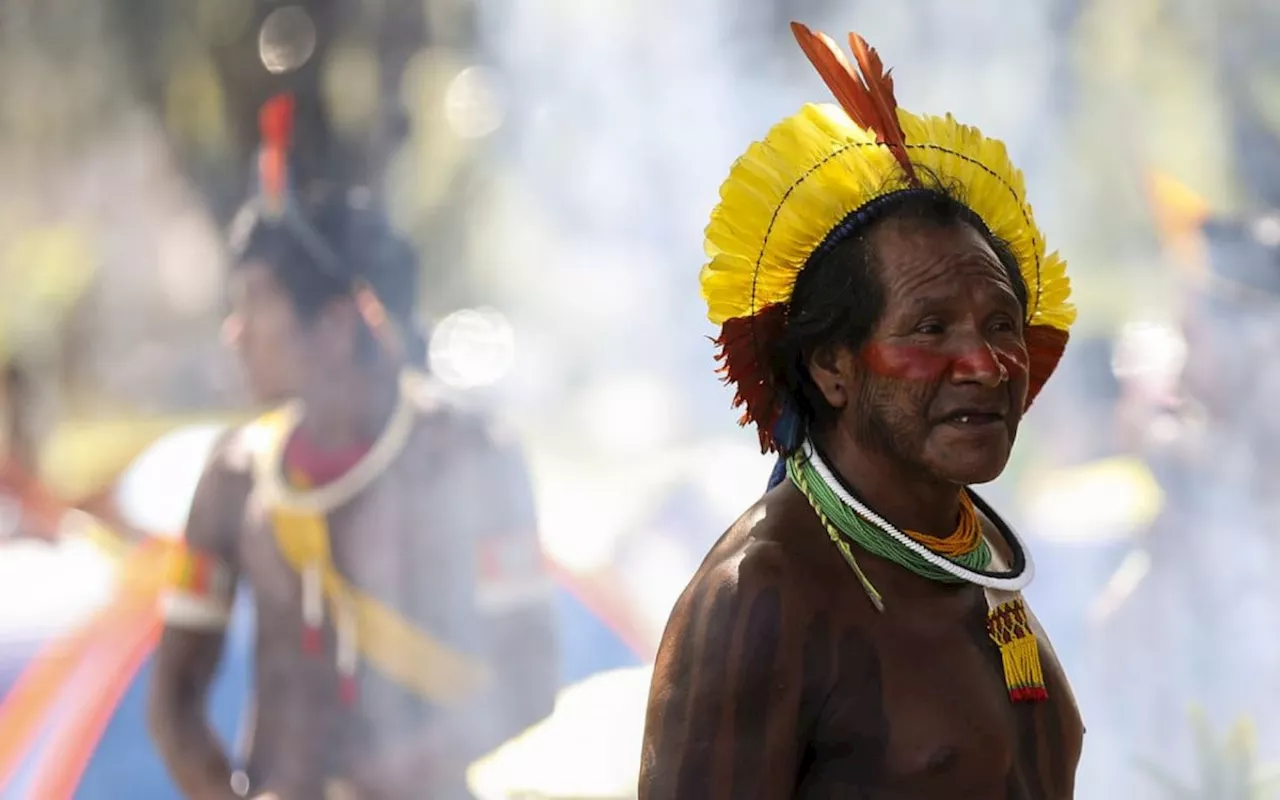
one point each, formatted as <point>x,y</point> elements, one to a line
<point>1045,346</point>
<point>744,344</point>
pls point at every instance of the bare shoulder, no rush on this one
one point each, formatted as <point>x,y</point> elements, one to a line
<point>778,542</point>
<point>758,573</point>
<point>233,452</point>
<point>730,689</point>
<point>220,495</point>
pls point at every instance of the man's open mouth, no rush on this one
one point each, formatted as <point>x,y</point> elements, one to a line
<point>974,418</point>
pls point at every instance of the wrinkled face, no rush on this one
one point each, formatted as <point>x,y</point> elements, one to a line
<point>266,333</point>
<point>941,384</point>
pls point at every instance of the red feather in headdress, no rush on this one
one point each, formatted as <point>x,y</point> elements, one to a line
<point>867,97</point>
<point>1045,346</point>
<point>743,348</point>
<point>275,125</point>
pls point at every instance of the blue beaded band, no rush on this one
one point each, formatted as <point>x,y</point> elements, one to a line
<point>868,213</point>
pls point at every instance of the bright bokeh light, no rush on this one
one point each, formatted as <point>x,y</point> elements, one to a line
<point>472,105</point>
<point>1148,350</point>
<point>1267,230</point>
<point>286,40</point>
<point>473,347</point>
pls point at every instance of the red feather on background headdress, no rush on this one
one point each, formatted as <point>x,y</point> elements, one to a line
<point>867,97</point>
<point>275,125</point>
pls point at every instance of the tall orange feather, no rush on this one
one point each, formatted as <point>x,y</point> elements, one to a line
<point>837,73</point>
<point>867,98</point>
<point>880,91</point>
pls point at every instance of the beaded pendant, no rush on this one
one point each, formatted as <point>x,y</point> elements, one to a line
<point>1010,628</point>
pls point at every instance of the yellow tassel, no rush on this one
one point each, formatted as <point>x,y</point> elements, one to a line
<point>389,642</point>
<point>1010,628</point>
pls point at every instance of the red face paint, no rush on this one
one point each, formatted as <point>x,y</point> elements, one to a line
<point>1014,361</point>
<point>912,363</point>
<point>905,362</point>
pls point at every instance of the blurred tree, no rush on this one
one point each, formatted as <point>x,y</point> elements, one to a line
<point>206,66</point>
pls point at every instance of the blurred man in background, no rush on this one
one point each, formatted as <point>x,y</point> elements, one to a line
<point>404,621</point>
<point>1196,627</point>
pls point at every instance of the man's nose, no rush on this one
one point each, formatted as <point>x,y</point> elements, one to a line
<point>977,363</point>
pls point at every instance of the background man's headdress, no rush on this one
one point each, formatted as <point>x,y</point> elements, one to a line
<point>279,205</point>
<point>803,186</point>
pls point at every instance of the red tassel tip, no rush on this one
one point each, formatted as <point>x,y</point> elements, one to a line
<point>347,690</point>
<point>311,641</point>
<point>1029,694</point>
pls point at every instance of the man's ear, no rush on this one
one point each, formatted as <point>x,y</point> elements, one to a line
<point>833,370</point>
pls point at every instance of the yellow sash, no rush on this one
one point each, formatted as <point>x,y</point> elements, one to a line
<point>391,644</point>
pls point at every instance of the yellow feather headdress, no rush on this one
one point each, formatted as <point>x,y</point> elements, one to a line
<point>787,193</point>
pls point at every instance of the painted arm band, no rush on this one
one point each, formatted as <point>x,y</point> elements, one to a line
<point>199,590</point>
<point>511,574</point>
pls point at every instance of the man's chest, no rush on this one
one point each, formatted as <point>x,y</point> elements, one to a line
<point>397,546</point>
<point>918,707</point>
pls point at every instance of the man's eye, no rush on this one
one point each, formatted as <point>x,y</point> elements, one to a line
<point>930,328</point>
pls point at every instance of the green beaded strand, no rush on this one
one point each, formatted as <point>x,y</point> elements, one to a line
<point>871,538</point>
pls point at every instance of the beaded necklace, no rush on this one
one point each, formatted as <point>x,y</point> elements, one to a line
<point>963,557</point>
<point>875,534</point>
<point>967,546</point>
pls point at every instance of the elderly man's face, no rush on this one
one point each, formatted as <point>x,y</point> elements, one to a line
<point>941,385</point>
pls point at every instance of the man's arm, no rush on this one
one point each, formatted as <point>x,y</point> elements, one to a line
<point>196,608</point>
<point>723,716</point>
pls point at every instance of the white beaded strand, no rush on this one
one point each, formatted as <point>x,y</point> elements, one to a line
<point>1012,582</point>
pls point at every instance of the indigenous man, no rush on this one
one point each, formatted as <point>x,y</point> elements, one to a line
<point>403,619</point>
<point>888,312</point>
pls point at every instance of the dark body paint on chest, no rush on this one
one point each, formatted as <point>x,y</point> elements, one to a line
<point>912,703</point>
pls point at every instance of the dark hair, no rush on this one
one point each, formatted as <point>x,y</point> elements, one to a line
<point>839,296</point>
<point>328,245</point>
